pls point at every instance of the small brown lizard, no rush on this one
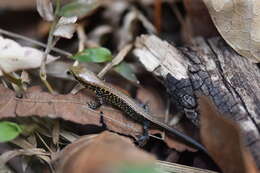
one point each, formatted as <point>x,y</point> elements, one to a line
<point>108,94</point>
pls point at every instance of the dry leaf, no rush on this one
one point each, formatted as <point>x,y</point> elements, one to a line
<point>73,108</point>
<point>14,57</point>
<point>222,138</point>
<point>68,107</point>
<point>66,27</point>
<point>239,24</point>
<point>45,9</point>
<point>117,150</point>
<point>25,77</point>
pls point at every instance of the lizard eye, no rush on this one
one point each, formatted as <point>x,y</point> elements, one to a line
<point>68,72</point>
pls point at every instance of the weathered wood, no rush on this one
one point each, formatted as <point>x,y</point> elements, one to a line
<point>213,68</point>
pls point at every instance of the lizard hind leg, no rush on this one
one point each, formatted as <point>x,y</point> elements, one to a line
<point>145,137</point>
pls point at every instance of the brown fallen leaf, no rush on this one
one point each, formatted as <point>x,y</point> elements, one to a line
<point>72,108</point>
<point>68,107</point>
<point>106,152</point>
<point>238,22</point>
<point>222,138</point>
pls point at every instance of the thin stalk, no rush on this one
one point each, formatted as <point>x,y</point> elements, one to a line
<point>50,44</point>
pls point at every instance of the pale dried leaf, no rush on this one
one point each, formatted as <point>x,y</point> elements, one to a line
<point>14,57</point>
<point>25,77</point>
<point>45,9</point>
<point>66,27</point>
<point>239,24</point>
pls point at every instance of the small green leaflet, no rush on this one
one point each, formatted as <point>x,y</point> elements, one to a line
<point>97,55</point>
<point>126,71</point>
<point>9,131</point>
<point>79,8</point>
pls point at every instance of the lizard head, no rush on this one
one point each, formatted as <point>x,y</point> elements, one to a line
<point>83,75</point>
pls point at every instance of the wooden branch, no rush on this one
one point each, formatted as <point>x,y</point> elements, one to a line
<point>213,68</point>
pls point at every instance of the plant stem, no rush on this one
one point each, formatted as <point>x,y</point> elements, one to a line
<point>50,44</point>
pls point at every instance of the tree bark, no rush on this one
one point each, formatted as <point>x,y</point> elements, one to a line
<point>216,70</point>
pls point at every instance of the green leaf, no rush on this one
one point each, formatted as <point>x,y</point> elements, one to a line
<point>9,131</point>
<point>79,8</point>
<point>97,55</point>
<point>126,71</point>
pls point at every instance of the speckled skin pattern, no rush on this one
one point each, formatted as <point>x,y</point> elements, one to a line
<point>108,94</point>
<point>105,96</point>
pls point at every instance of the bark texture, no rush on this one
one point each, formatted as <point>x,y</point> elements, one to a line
<point>214,69</point>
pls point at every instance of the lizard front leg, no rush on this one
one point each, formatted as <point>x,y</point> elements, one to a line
<point>96,104</point>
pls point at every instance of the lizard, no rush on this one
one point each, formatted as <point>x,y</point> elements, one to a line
<point>107,94</point>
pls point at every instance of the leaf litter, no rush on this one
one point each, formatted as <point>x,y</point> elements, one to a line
<point>73,107</point>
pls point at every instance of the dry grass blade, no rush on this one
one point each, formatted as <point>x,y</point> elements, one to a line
<point>23,143</point>
<point>56,132</point>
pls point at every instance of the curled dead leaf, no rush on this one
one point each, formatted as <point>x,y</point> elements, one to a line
<point>66,27</point>
<point>239,24</point>
<point>45,9</point>
<point>222,138</point>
